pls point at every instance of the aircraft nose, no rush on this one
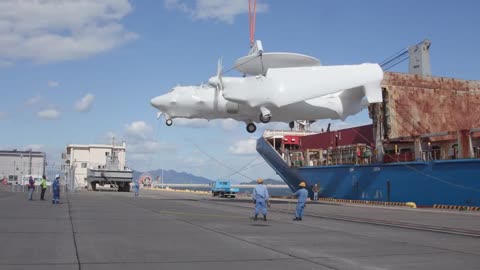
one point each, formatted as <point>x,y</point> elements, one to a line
<point>158,102</point>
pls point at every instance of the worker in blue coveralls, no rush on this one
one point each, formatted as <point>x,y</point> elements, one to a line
<point>260,199</point>
<point>302,195</point>
<point>136,188</point>
<point>56,190</point>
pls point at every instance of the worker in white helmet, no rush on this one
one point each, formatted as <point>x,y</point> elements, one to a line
<point>302,195</point>
<point>56,190</point>
<point>260,198</point>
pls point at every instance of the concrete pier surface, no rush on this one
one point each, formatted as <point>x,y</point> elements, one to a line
<point>166,230</point>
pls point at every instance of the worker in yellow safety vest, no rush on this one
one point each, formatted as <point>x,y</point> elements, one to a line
<point>43,185</point>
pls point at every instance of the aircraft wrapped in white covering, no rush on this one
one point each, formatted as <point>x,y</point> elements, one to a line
<point>288,87</point>
<point>284,86</point>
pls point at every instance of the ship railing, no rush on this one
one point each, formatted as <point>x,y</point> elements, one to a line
<point>429,155</point>
<point>274,133</point>
<point>355,154</point>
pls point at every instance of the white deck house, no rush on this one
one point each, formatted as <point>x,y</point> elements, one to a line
<point>79,157</point>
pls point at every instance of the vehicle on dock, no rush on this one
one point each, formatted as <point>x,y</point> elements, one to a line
<point>222,188</point>
<point>110,175</point>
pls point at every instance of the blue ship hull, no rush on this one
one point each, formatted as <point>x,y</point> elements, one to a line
<point>449,182</point>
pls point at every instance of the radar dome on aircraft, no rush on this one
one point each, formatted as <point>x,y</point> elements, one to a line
<point>259,64</point>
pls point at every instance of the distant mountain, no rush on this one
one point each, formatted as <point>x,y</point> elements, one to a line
<point>267,181</point>
<point>174,177</point>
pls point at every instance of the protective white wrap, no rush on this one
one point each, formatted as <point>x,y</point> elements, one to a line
<point>284,86</point>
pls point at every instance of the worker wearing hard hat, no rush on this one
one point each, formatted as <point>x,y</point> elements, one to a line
<point>302,195</point>
<point>260,198</point>
<point>56,190</point>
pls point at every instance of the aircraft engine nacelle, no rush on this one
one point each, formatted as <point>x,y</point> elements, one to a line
<point>232,107</point>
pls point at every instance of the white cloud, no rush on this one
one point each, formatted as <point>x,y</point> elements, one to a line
<point>222,10</point>
<point>34,147</point>
<point>51,30</point>
<point>107,138</point>
<point>146,147</point>
<point>132,156</point>
<point>245,147</point>
<point>194,123</point>
<point>194,161</point>
<point>226,124</point>
<point>85,104</point>
<point>138,130</point>
<point>229,124</point>
<point>53,84</point>
<point>49,114</point>
<point>141,143</point>
<point>5,63</point>
<point>3,115</point>
<point>34,100</point>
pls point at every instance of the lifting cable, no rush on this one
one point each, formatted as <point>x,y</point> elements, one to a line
<point>252,16</point>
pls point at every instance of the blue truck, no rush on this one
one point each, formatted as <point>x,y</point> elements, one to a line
<point>222,188</point>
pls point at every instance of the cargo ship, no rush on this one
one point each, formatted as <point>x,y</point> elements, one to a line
<point>422,146</point>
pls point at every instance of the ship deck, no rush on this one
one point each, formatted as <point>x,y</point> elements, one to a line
<point>167,230</point>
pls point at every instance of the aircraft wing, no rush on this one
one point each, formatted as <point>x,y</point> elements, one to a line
<point>344,103</point>
<point>284,86</point>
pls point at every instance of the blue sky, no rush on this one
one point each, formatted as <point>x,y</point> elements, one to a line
<point>82,71</point>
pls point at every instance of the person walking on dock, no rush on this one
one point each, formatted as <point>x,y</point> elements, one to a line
<point>315,190</point>
<point>43,185</point>
<point>31,188</point>
<point>136,188</point>
<point>302,195</point>
<point>260,198</point>
<point>56,190</point>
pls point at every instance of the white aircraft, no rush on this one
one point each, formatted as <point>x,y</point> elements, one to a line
<point>285,87</point>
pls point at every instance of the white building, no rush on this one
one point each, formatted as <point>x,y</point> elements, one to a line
<point>79,157</point>
<point>14,165</point>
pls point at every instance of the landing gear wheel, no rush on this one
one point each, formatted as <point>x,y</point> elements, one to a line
<point>265,119</point>
<point>169,122</point>
<point>251,128</point>
<point>291,125</point>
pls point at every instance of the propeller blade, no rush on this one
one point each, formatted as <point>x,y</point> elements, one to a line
<point>219,73</point>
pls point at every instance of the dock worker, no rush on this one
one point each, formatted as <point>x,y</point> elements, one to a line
<point>260,199</point>
<point>302,195</point>
<point>56,190</point>
<point>43,185</point>
<point>136,188</point>
<point>31,188</point>
<point>315,190</point>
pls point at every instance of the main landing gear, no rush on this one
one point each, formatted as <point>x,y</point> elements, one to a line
<point>251,128</point>
<point>169,122</point>
<point>265,115</point>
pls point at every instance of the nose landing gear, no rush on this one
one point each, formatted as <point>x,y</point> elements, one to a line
<point>251,128</point>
